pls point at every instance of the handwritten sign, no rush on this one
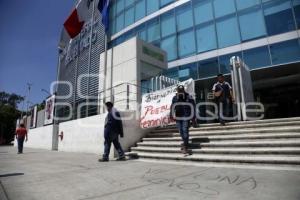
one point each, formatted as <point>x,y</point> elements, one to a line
<point>155,110</point>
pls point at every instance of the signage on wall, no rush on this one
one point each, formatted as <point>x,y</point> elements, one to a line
<point>49,110</point>
<point>33,118</point>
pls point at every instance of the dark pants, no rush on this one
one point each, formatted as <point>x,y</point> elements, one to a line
<point>20,144</point>
<point>223,110</point>
<point>117,145</point>
<point>183,127</point>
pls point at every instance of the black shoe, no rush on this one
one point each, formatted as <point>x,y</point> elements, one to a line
<point>122,158</point>
<point>223,124</point>
<point>184,150</point>
<point>103,160</point>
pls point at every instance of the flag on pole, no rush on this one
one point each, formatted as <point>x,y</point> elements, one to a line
<point>103,7</point>
<point>75,22</point>
<point>73,25</point>
<point>89,2</point>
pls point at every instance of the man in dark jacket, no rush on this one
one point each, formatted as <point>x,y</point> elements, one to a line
<point>183,111</point>
<point>112,130</point>
<point>223,97</point>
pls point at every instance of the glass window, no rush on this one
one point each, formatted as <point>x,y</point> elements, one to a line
<point>203,11</point>
<point>297,11</point>
<point>156,43</point>
<point>171,73</point>
<point>129,16</point>
<point>228,32</point>
<point>140,10</point>
<point>112,12</point>
<point>164,2</point>
<point>168,25</point>
<point>242,4</point>
<point>141,32</point>
<point>112,27</point>
<point>206,38</point>
<point>252,24</point>
<point>170,46</point>
<point>208,68</point>
<point>186,43</point>
<point>143,35</point>
<point>279,17</point>
<point>257,57</point>
<point>285,52</point>
<point>120,22</point>
<point>184,17</point>
<point>188,71</point>
<point>120,6</point>
<point>153,30</point>
<point>128,3</point>
<point>152,6</point>
<point>223,8</point>
<point>224,61</point>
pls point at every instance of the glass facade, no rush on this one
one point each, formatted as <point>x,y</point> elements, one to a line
<point>200,26</point>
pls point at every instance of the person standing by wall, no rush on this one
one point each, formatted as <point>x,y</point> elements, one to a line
<point>223,95</point>
<point>21,136</point>
<point>113,128</point>
<point>183,111</point>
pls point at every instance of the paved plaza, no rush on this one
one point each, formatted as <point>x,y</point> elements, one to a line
<point>48,175</point>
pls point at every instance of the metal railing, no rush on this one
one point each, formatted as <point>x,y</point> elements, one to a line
<point>124,93</point>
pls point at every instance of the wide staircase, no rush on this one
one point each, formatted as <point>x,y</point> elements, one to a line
<point>265,142</point>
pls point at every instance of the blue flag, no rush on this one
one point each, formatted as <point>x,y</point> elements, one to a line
<point>103,7</point>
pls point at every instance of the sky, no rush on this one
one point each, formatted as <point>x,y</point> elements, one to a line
<point>29,35</point>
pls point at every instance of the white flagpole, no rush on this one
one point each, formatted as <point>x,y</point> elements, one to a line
<point>105,71</point>
<point>105,67</point>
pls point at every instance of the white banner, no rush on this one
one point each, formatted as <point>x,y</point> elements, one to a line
<point>49,110</point>
<point>33,117</point>
<point>155,111</point>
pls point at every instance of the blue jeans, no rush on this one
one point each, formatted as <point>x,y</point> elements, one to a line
<point>183,127</point>
<point>107,146</point>
<point>20,144</point>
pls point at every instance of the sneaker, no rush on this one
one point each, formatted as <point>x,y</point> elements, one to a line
<point>122,158</point>
<point>103,160</point>
<point>184,150</point>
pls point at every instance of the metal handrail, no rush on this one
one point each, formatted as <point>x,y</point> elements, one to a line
<point>126,93</point>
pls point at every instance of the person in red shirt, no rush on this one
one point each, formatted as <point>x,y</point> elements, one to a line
<point>21,135</point>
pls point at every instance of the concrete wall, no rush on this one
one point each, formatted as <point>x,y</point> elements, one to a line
<point>40,138</point>
<point>82,135</point>
<point>127,63</point>
<point>86,135</point>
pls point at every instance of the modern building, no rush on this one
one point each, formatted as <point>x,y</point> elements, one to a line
<point>200,37</point>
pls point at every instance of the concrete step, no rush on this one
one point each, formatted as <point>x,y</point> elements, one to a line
<point>232,127</point>
<point>250,136</point>
<point>292,119</point>
<point>236,143</point>
<point>283,160</point>
<point>248,151</point>
<point>174,133</point>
